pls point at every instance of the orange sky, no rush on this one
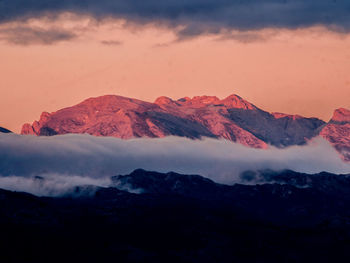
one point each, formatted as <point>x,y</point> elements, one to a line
<point>295,71</point>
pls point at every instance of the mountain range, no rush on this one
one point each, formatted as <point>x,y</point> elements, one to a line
<point>286,217</point>
<point>232,118</point>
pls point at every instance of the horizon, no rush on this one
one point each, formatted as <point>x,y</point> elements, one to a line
<point>284,56</point>
<point>17,129</point>
<point>295,70</point>
<point>175,131</point>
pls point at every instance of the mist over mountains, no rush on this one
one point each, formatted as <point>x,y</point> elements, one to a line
<point>192,180</point>
<point>97,157</point>
<point>232,118</point>
<point>186,180</point>
<point>287,217</point>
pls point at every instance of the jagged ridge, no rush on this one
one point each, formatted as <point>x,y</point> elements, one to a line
<point>302,218</point>
<point>232,118</point>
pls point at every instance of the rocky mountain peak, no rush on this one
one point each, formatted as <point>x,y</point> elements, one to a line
<point>232,118</point>
<point>279,115</point>
<point>205,99</point>
<point>165,101</point>
<point>235,101</point>
<point>341,115</point>
<point>114,102</point>
<point>199,101</point>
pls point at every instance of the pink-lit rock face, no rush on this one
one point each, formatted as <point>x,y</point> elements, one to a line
<point>27,129</point>
<point>235,101</point>
<point>341,116</point>
<point>337,132</point>
<point>232,118</point>
<point>128,118</point>
<point>339,136</point>
<point>279,115</point>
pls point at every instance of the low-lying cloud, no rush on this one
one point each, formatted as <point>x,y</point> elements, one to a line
<point>66,161</point>
<point>53,184</point>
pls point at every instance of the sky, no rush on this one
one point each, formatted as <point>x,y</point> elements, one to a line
<point>281,55</point>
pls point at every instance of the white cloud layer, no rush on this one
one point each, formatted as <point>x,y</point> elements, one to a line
<point>70,160</point>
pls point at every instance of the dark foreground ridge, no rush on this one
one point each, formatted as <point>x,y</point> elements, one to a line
<point>4,130</point>
<point>288,217</point>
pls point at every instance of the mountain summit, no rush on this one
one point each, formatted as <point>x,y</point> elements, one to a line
<point>231,118</point>
<point>337,132</point>
<point>341,116</point>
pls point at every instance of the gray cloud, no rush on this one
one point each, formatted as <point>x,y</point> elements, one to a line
<point>195,16</point>
<point>245,37</point>
<point>29,35</point>
<point>111,42</point>
<point>98,158</point>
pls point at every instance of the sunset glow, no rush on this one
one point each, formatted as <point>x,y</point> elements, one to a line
<point>300,71</point>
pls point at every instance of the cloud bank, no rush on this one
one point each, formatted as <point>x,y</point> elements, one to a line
<point>66,161</point>
<point>195,17</point>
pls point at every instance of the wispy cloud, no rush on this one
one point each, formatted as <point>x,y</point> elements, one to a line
<point>29,35</point>
<point>53,184</point>
<point>245,37</point>
<point>111,42</point>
